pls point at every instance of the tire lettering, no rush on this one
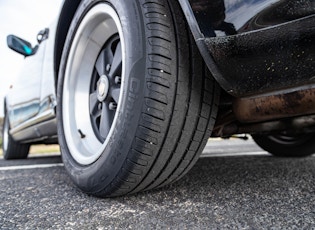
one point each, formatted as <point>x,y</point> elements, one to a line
<point>134,88</point>
<point>134,85</point>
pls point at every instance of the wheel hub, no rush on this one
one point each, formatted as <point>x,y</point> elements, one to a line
<point>102,88</point>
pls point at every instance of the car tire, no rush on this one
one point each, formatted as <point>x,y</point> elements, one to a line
<point>284,145</point>
<point>11,148</point>
<point>141,118</point>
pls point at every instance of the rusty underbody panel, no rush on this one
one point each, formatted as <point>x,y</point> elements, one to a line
<point>293,111</point>
<point>263,108</point>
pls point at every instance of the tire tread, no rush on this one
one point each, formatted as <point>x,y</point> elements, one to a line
<point>185,134</point>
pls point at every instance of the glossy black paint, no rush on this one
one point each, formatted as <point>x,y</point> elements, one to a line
<point>255,46</point>
<point>267,60</point>
<point>228,17</point>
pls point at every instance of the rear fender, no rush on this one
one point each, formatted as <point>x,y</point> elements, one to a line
<point>255,47</point>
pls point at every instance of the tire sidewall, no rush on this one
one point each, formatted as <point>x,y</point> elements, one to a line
<point>14,150</point>
<point>98,175</point>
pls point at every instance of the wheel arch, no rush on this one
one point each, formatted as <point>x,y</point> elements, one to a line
<point>200,42</point>
<point>65,18</point>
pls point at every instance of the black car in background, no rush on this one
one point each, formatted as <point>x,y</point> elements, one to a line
<point>134,89</point>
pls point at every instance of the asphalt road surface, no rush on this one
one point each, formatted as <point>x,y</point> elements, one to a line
<point>235,185</point>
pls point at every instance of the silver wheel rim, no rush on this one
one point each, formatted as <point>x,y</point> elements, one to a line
<point>5,135</point>
<point>99,27</point>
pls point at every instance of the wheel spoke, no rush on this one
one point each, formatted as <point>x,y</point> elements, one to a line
<point>117,61</point>
<point>108,63</point>
<point>108,55</point>
<point>106,120</point>
<point>100,63</point>
<point>115,94</point>
<point>93,103</point>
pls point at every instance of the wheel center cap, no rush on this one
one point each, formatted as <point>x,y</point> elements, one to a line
<point>102,88</point>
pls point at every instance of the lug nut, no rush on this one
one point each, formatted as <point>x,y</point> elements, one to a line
<point>112,106</point>
<point>108,66</point>
<point>118,80</point>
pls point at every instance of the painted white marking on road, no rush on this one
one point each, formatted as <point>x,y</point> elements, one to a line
<point>258,153</point>
<point>21,167</point>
